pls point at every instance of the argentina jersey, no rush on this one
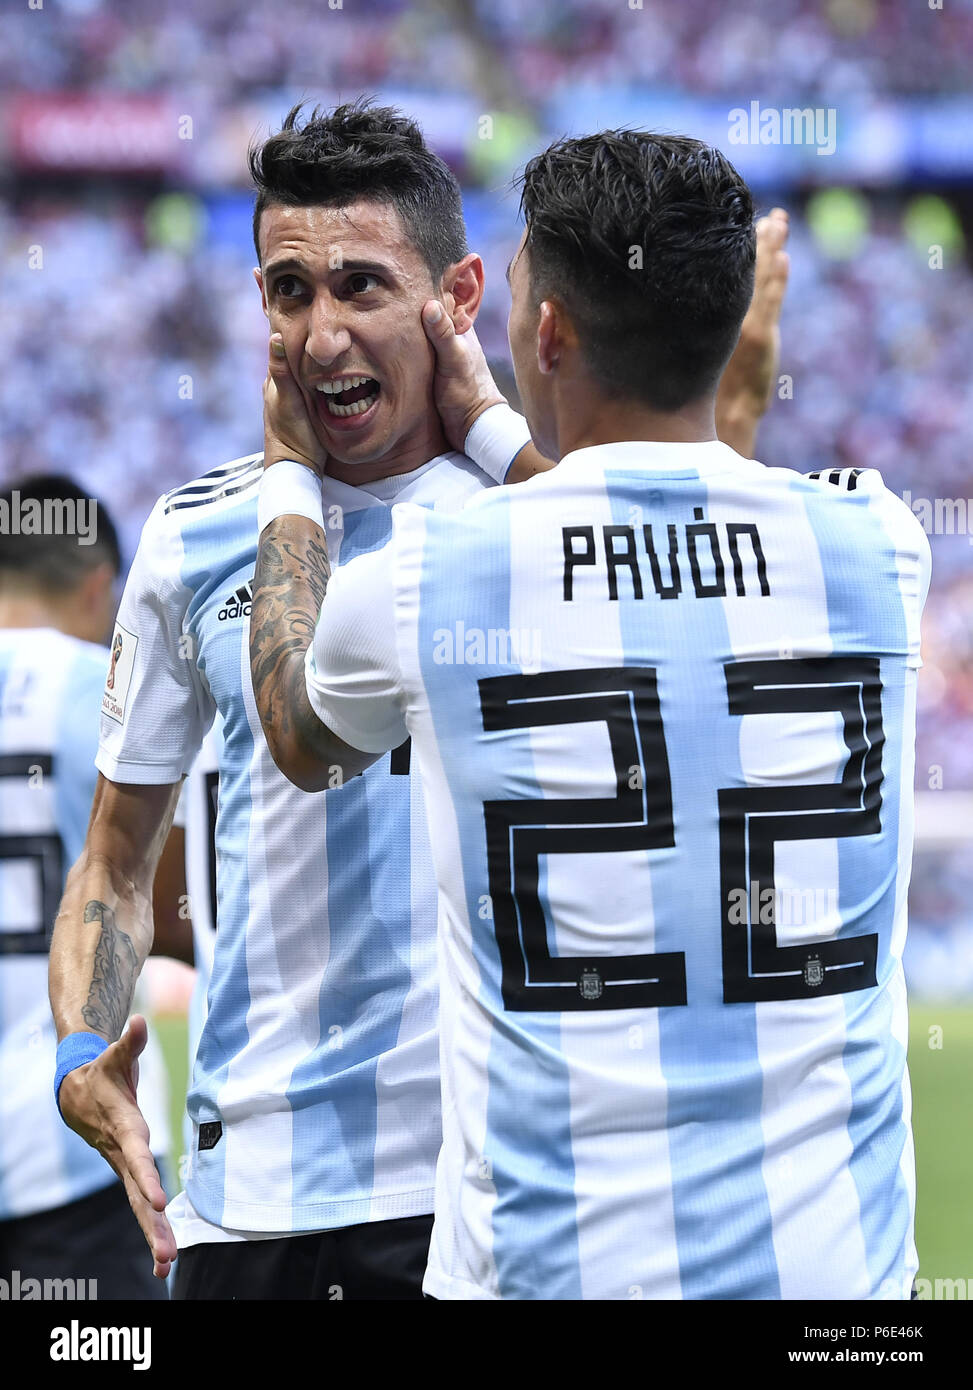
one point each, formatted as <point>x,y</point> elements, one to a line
<point>199,802</point>
<point>50,696</point>
<point>196,815</point>
<point>664,711</point>
<point>315,1090</point>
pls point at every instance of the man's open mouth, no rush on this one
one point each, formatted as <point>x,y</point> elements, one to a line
<point>351,395</point>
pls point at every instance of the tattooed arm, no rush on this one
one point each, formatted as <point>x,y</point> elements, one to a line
<point>103,931</point>
<point>102,936</point>
<point>115,965</point>
<point>289,586</point>
<point>288,589</point>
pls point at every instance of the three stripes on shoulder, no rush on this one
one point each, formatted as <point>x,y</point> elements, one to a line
<point>225,481</point>
<point>844,478</point>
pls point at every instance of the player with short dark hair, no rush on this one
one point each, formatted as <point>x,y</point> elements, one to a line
<point>315,1092</point>
<point>663,702</point>
<point>62,1214</point>
<point>656,297</point>
<point>332,159</point>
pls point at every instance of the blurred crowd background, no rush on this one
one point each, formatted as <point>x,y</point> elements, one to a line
<point>134,346</point>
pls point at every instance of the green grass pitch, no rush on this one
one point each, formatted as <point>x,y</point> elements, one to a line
<point>941,1066</point>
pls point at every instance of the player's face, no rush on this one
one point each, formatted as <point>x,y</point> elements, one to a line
<point>345,288</point>
<point>533,385</point>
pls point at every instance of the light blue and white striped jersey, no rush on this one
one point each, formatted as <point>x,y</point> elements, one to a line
<point>199,802</point>
<point>663,701</point>
<point>315,1092</point>
<point>196,816</point>
<point>50,698</point>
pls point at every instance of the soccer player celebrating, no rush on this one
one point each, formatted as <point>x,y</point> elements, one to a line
<point>662,698</point>
<point>62,1214</point>
<point>315,1094</point>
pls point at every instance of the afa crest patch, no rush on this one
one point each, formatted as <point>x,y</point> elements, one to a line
<point>813,972</point>
<point>591,984</point>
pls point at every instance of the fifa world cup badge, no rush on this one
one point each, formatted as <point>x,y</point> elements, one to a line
<point>116,651</point>
<point>591,985</point>
<point>119,678</point>
<point>813,971</point>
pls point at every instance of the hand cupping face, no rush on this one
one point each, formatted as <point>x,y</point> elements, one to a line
<point>288,430</point>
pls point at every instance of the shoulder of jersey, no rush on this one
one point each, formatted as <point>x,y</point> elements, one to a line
<point>849,479</point>
<point>219,483</point>
<point>56,649</point>
<point>77,646</point>
<point>895,510</point>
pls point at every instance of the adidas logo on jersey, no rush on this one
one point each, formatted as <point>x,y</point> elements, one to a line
<point>238,604</point>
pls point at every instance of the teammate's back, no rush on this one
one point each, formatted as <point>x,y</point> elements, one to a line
<point>664,711</point>
<point>671,712</point>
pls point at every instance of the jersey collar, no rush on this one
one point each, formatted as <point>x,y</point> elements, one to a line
<point>380,493</point>
<point>651,456</point>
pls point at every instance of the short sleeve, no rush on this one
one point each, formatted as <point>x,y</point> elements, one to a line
<point>913,560</point>
<point>155,708</point>
<point>352,670</point>
<point>903,531</point>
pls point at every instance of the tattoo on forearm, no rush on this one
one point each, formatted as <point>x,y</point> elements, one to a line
<point>115,972</point>
<point>290,583</point>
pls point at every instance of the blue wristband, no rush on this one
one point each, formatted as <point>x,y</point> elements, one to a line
<point>74,1051</point>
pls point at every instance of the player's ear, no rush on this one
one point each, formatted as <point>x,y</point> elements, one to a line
<point>548,337</point>
<point>463,291</point>
<point>260,286</point>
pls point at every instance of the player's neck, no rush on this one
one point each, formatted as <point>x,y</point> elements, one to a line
<point>593,420</point>
<point>32,610</point>
<point>428,442</point>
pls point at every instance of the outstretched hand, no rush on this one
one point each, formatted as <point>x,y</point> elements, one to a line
<point>98,1101</point>
<point>288,432</point>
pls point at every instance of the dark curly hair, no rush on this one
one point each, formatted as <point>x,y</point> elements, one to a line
<point>648,241</point>
<point>358,150</point>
